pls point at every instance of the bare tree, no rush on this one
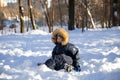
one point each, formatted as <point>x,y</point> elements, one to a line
<point>31,15</point>
<point>77,15</point>
<point>114,13</point>
<point>21,15</point>
<point>47,14</point>
<point>60,11</point>
<point>53,11</point>
<point>119,11</point>
<point>107,14</point>
<point>71,15</point>
<point>90,15</point>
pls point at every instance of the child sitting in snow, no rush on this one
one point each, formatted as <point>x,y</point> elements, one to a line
<point>64,55</point>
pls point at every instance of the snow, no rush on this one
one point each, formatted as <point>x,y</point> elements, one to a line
<point>99,52</point>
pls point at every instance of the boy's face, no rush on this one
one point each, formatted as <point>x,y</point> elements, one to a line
<point>59,39</point>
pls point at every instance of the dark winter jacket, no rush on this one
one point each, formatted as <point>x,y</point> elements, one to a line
<point>69,50</point>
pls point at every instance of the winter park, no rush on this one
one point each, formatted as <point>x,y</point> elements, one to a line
<point>32,32</point>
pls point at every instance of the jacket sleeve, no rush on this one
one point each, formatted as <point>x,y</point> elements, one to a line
<point>53,52</point>
<point>75,55</point>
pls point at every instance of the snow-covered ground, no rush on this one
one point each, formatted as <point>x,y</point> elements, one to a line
<point>99,52</point>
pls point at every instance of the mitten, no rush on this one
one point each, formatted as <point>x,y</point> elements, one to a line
<point>77,68</point>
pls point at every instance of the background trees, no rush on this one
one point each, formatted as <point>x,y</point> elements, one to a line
<point>83,14</point>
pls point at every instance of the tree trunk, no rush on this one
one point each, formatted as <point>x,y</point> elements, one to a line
<point>77,20</point>
<point>47,16</point>
<point>31,16</point>
<point>106,13</point>
<point>66,3</point>
<point>83,16</point>
<point>104,10</point>
<point>119,12</point>
<point>91,19</point>
<point>53,12</point>
<point>21,15</point>
<point>71,15</point>
<point>60,13</point>
<point>109,17</point>
<point>114,17</point>
<point>90,15</point>
<point>111,12</point>
<point>86,16</point>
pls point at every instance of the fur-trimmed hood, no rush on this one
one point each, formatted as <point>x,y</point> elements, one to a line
<point>62,32</point>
